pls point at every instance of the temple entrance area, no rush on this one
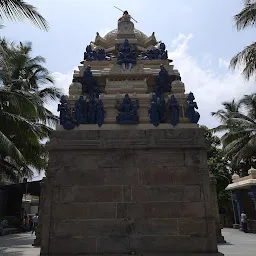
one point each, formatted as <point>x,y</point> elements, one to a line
<point>127,167</point>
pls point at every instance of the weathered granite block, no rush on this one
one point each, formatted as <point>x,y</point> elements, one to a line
<point>142,190</point>
<point>91,194</point>
<point>89,227</point>
<point>169,176</point>
<point>166,193</point>
<point>84,211</point>
<point>164,227</point>
<point>97,176</point>
<point>189,226</point>
<point>160,210</point>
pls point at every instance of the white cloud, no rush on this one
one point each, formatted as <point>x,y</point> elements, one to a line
<point>210,88</point>
<point>61,81</point>
<point>223,63</point>
<point>104,31</point>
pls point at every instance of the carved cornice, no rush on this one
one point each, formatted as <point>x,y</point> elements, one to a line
<point>127,138</point>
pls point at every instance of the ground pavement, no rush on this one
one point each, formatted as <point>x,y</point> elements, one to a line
<point>18,245</point>
<point>238,243</point>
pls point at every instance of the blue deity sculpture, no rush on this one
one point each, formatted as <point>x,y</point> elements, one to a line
<point>192,115</point>
<point>175,110</point>
<point>100,115</point>
<point>66,119</point>
<point>101,54</point>
<point>153,111</point>
<point>63,109</point>
<point>157,109</point>
<point>157,53</point>
<point>89,83</point>
<point>90,55</point>
<point>127,112</point>
<point>163,80</point>
<point>161,108</point>
<point>92,109</point>
<point>126,56</point>
<point>150,55</point>
<point>80,111</point>
<point>163,54</point>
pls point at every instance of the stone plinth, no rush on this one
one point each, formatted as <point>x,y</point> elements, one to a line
<point>123,188</point>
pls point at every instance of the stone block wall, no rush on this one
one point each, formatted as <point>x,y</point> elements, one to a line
<point>129,190</point>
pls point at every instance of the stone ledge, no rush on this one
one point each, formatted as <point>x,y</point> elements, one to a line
<point>140,253</point>
<point>128,136</point>
<point>95,127</point>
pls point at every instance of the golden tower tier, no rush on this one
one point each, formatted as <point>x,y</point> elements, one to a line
<point>126,61</point>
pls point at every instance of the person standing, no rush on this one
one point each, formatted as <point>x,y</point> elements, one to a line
<point>26,223</point>
<point>30,223</point>
<point>244,222</point>
<point>35,223</point>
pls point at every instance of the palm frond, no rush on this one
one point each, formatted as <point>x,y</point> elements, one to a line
<point>245,59</point>
<point>9,148</point>
<point>247,17</point>
<point>17,101</point>
<point>19,10</point>
<point>50,93</point>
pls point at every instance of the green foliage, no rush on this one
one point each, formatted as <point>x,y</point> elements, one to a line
<point>218,166</point>
<point>25,121</point>
<point>239,126</point>
<point>19,10</point>
<point>247,57</point>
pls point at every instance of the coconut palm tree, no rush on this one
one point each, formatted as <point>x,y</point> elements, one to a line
<point>19,10</point>
<point>239,124</point>
<point>25,73</point>
<point>13,104</point>
<point>225,114</point>
<point>24,119</point>
<point>247,57</point>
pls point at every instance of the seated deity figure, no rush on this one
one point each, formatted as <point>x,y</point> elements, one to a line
<point>150,54</point>
<point>154,111</point>
<point>127,112</point>
<point>89,54</point>
<point>81,110</point>
<point>175,110</point>
<point>66,119</point>
<point>125,25</point>
<point>157,110</point>
<point>101,54</point>
<point>100,115</point>
<point>162,84</point>
<point>161,106</point>
<point>126,17</point>
<point>63,109</point>
<point>163,54</point>
<point>126,56</point>
<point>89,83</point>
<point>192,115</point>
<point>155,53</point>
<point>92,109</point>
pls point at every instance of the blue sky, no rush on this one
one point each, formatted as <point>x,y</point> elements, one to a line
<point>199,34</point>
<point>74,24</point>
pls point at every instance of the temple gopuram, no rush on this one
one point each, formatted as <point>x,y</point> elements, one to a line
<point>127,169</point>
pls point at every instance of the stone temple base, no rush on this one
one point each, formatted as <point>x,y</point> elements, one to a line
<point>126,191</point>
